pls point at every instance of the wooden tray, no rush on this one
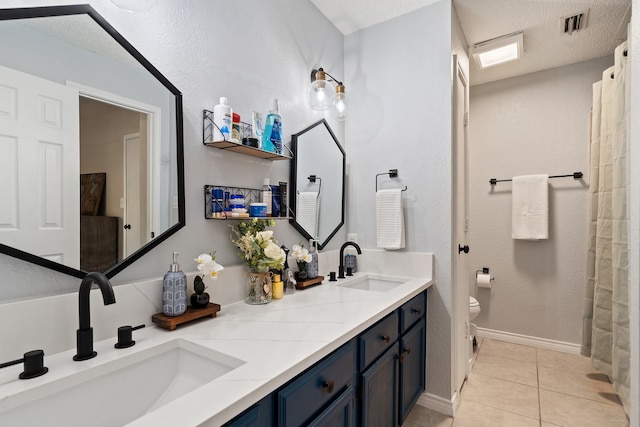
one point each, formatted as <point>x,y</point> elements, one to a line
<point>171,323</point>
<point>303,284</point>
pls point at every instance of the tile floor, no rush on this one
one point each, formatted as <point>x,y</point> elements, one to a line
<point>514,385</point>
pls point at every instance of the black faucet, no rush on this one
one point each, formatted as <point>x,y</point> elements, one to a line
<point>341,268</point>
<point>84,335</point>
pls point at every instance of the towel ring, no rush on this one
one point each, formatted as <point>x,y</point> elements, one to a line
<point>393,173</point>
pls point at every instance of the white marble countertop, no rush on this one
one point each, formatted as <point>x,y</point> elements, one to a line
<point>277,341</point>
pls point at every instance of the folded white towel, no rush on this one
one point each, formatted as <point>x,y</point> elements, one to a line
<point>307,212</point>
<point>389,219</point>
<point>530,207</point>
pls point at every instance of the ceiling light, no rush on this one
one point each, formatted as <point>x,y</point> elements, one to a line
<point>497,51</point>
<point>326,92</point>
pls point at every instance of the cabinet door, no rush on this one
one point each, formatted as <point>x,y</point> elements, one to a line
<point>260,414</point>
<point>380,391</point>
<point>339,414</point>
<point>412,368</point>
<point>312,391</point>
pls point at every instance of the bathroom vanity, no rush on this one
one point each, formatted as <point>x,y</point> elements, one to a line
<point>250,361</point>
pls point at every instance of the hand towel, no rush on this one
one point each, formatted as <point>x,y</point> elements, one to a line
<point>530,207</point>
<point>389,219</point>
<point>307,212</point>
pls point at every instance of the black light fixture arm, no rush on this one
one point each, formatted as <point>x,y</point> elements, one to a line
<point>314,71</point>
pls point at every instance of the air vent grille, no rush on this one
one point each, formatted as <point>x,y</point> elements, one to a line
<point>574,23</point>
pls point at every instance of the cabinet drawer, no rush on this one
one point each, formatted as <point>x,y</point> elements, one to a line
<point>314,389</point>
<point>377,339</point>
<point>340,413</point>
<point>412,311</point>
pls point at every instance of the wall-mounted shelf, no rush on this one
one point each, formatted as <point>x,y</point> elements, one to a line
<point>251,195</point>
<point>245,129</point>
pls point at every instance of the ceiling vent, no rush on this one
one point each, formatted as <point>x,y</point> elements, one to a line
<point>574,23</point>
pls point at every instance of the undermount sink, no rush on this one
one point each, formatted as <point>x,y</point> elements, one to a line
<point>374,282</point>
<point>119,391</point>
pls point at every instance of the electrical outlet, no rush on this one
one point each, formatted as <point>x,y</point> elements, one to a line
<point>352,237</point>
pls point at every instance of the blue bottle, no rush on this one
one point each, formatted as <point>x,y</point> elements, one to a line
<point>174,290</point>
<point>272,135</point>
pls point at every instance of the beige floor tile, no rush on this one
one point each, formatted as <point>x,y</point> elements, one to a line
<point>507,350</point>
<point>565,410</point>
<point>471,414</point>
<point>425,417</point>
<point>497,393</point>
<point>507,369</point>
<point>556,359</point>
<point>546,424</point>
<point>594,386</point>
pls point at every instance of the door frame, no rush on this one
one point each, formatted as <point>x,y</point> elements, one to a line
<point>154,146</point>
<point>460,291</point>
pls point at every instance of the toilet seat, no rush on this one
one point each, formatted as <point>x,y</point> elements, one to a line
<point>473,302</point>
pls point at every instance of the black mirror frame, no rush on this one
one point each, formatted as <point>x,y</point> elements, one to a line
<point>85,9</point>
<point>294,189</point>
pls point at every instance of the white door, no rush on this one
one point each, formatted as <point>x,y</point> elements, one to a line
<point>460,242</point>
<point>135,194</point>
<point>39,167</point>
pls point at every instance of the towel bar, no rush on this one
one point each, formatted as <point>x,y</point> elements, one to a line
<point>575,175</point>
<point>393,173</point>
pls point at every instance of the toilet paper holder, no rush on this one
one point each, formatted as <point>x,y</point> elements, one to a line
<point>484,270</point>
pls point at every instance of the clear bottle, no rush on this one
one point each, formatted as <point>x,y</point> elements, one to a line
<point>174,290</point>
<point>312,266</point>
<point>287,275</point>
<point>267,196</point>
<point>272,136</point>
<point>222,120</point>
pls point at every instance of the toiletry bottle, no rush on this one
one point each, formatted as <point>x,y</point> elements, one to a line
<point>287,275</point>
<point>272,137</point>
<point>174,290</point>
<point>266,196</point>
<point>235,128</point>
<point>277,287</point>
<point>256,129</point>
<point>222,116</point>
<point>283,199</point>
<point>312,266</point>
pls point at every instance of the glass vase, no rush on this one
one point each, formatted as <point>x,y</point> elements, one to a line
<point>258,286</point>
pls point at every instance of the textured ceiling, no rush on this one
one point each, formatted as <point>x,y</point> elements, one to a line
<point>545,45</point>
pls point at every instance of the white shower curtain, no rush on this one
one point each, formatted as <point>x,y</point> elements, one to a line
<point>606,319</point>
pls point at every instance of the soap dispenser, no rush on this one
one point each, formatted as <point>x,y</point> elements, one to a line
<point>312,266</point>
<point>174,290</point>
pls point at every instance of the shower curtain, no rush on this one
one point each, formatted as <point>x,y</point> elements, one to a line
<point>605,335</point>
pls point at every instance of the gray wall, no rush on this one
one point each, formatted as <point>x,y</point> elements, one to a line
<point>400,74</point>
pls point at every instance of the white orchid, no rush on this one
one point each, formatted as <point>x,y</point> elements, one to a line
<point>208,266</point>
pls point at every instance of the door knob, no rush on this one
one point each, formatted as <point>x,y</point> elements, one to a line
<point>464,249</point>
<point>127,226</point>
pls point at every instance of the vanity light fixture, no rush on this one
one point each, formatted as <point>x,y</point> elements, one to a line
<point>498,50</point>
<point>325,93</point>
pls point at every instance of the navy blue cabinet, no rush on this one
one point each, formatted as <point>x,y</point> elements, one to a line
<point>412,368</point>
<point>259,415</point>
<point>373,380</point>
<point>379,385</point>
<point>392,384</point>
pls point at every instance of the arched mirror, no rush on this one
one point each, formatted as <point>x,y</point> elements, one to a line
<point>91,145</point>
<point>317,183</point>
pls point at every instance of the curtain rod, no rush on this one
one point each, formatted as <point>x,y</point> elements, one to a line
<point>575,175</point>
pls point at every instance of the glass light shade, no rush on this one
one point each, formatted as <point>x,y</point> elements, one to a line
<point>340,103</point>
<point>321,93</point>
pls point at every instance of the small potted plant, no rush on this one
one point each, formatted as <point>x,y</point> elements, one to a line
<point>302,256</point>
<point>208,265</point>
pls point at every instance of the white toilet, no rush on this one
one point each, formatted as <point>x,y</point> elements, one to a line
<point>474,308</point>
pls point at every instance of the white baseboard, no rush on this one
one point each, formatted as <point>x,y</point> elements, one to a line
<point>543,343</point>
<point>439,404</point>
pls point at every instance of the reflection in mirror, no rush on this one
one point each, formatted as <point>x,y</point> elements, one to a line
<point>317,183</point>
<point>91,154</point>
